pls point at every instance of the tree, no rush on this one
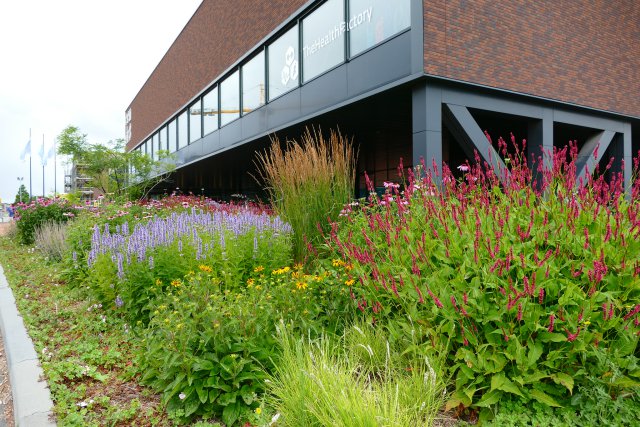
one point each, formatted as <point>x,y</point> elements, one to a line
<point>23,195</point>
<point>110,168</point>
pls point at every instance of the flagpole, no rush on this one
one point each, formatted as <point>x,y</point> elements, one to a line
<point>30,180</point>
<point>43,165</point>
<point>55,188</point>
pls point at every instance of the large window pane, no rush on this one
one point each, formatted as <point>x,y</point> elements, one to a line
<point>372,21</point>
<point>154,146</point>
<point>230,98</point>
<point>323,39</point>
<point>195,121</point>
<point>210,111</point>
<point>162,138</point>
<point>183,129</point>
<point>283,63</point>
<point>253,90</point>
<point>172,136</point>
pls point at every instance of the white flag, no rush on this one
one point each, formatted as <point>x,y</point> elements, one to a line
<point>27,150</point>
<point>43,159</point>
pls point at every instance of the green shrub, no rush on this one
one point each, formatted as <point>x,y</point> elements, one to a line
<point>35,214</point>
<point>309,182</point>
<point>523,288</point>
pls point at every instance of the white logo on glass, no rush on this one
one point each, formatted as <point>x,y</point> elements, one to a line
<point>290,70</point>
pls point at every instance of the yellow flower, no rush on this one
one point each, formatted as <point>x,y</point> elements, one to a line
<point>349,282</point>
<point>258,410</point>
<point>258,269</point>
<point>250,282</point>
<point>258,287</point>
<point>205,268</point>
<point>286,269</point>
<point>158,282</point>
<point>216,325</point>
<point>301,285</point>
<point>337,262</point>
<point>348,267</point>
<point>176,283</point>
<point>298,266</point>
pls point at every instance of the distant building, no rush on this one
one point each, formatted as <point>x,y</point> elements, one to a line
<point>77,182</point>
<point>407,79</point>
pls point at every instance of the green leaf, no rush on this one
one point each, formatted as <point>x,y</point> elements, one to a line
<point>490,398</point>
<point>226,399</point>
<point>231,413</point>
<point>564,379</point>
<point>501,382</point>
<point>543,397</point>
<point>203,395</point>
<point>203,365</point>
<point>551,337</point>
<point>191,406</point>
<point>535,351</point>
<point>457,398</point>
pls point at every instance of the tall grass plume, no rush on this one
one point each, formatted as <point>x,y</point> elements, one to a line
<point>308,182</point>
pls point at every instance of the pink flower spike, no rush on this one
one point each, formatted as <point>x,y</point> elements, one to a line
<point>463,168</point>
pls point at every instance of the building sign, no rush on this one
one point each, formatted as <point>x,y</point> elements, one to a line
<point>290,69</point>
<point>337,32</point>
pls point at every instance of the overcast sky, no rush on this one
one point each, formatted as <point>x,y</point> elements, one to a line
<point>74,62</point>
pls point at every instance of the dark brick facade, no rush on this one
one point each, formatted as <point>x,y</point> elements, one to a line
<point>219,33</point>
<point>585,52</point>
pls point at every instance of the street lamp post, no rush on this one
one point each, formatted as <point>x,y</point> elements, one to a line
<point>20,179</point>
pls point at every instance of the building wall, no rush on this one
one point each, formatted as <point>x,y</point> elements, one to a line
<point>585,52</point>
<point>218,34</point>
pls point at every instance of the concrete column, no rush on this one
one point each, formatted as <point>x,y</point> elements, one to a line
<point>540,143</point>
<point>427,125</point>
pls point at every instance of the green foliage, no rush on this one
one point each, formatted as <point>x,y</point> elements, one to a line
<point>37,213</point>
<point>308,183</point>
<point>330,382</point>
<point>110,167</point>
<point>22,196</point>
<point>523,291</point>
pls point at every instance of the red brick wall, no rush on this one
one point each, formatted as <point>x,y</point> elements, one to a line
<point>585,52</point>
<point>219,33</point>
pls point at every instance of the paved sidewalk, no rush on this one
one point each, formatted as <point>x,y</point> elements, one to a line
<point>32,405</point>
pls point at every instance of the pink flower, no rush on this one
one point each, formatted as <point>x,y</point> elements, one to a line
<point>463,168</point>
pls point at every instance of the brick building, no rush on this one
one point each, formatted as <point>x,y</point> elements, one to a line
<point>407,79</point>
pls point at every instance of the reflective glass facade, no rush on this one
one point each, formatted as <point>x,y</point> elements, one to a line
<point>183,129</point>
<point>323,35</point>
<point>173,146</point>
<point>195,121</point>
<point>315,43</point>
<point>253,84</point>
<point>373,21</point>
<point>210,111</point>
<point>230,98</point>
<point>284,67</point>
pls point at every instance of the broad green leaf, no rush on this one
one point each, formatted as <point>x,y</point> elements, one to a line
<point>501,382</point>
<point>231,413</point>
<point>203,395</point>
<point>490,398</point>
<point>535,351</point>
<point>226,399</point>
<point>191,406</point>
<point>626,382</point>
<point>203,365</point>
<point>564,379</point>
<point>457,398</point>
<point>551,337</point>
<point>543,397</point>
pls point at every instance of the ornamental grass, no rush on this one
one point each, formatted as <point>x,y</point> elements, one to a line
<point>308,182</point>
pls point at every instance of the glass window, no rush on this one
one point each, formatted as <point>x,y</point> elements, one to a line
<point>323,39</point>
<point>162,138</point>
<point>195,121</point>
<point>154,146</point>
<point>253,90</point>
<point>283,63</point>
<point>158,144</point>
<point>172,136</point>
<point>210,111</point>
<point>372,21</point>
<point>183,129</point>
<point>230,98</point>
